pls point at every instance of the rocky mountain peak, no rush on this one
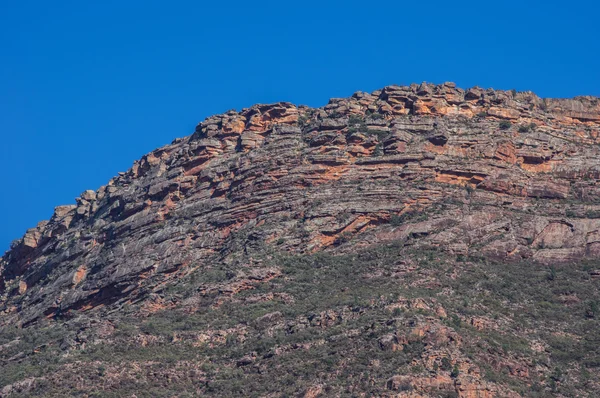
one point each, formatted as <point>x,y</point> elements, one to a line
<point>476,173</point>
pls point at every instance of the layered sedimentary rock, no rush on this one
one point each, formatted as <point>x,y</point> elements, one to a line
<point>498,173</point>
<point>419,241</point>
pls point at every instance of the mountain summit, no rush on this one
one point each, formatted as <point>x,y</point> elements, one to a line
<point>417,241</point>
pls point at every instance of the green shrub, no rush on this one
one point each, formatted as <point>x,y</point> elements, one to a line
<point>396,220</point>
<point>355,119</point>
<point>446,365</point>
<point>455,372</point>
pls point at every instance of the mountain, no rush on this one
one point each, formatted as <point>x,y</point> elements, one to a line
<point>420,241</point>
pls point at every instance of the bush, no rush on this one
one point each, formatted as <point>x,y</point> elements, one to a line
<point>527,128</point>
<point>455,372</point>
<point>396,220</point>
<point>302,119</point>
<point>505,125</point>
<point>446,365</point>
<point>355,119</point>
<point>591,309</point>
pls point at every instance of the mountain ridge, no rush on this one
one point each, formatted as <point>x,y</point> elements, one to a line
<point>575,109</point>
<point>414,175</point>
<point>242,132</point>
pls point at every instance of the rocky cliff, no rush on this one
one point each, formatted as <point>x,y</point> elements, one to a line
<point>469,178</point>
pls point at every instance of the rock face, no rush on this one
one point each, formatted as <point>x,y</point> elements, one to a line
<point>475,172</point>
<point>309,176</point>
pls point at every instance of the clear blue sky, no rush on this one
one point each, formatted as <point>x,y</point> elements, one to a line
<point>87,87</point>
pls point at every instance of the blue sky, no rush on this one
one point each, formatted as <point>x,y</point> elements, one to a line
<point>87,87</point>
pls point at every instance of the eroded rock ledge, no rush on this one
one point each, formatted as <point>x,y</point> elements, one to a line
<point>490,172</point>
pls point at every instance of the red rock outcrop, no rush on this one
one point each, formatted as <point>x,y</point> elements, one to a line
<point>499,173</point>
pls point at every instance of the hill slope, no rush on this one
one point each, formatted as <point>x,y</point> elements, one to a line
<point>416,241</point>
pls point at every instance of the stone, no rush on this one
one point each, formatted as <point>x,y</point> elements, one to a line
<point>504,113</point>
<point>346,170</point>
<point>88,195</point>
<point>425,167</point>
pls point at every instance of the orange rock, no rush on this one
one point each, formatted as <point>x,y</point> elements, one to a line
<point>506,152</point>
<point>79,275</point>
<point>313,392</point>
<point>504,113</point>
<point>234,126</point>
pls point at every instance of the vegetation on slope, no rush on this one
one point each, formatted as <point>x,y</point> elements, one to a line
<point>340,325</point>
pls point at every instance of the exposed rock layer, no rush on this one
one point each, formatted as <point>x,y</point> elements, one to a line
<point>499,173</point>
<point>442,209</point>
